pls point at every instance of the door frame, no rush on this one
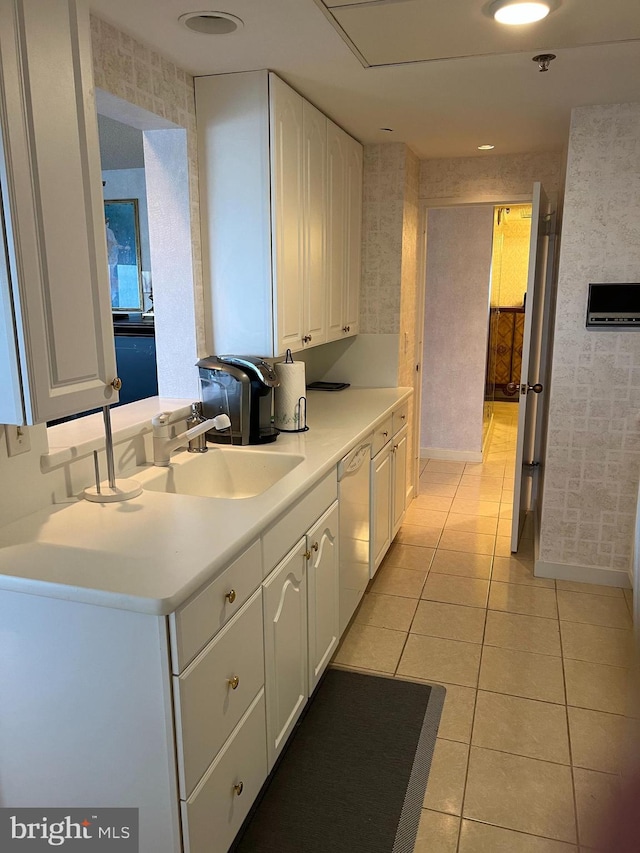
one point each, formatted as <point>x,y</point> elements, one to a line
<point>425,204</point>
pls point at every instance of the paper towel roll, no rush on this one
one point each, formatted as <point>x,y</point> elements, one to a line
<point>290,396</point>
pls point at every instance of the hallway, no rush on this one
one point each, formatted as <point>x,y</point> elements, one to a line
<point>528,749</point>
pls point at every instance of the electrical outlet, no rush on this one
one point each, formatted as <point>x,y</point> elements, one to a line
<point>18,439</point>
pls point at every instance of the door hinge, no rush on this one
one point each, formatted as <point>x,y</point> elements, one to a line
<point>531,465</point>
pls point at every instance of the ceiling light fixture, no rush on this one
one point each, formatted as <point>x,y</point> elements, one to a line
<point>211,23</point>
<point>485,147</point>
<point>516,12</point>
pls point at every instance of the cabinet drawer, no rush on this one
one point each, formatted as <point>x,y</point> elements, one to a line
<point>195,623</point>
<point>208,707</point>
<point>400,417</point>
<point>213,814</point>
<point>381,435</point>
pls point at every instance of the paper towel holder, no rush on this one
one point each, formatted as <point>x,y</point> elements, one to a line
<point>301,406</point>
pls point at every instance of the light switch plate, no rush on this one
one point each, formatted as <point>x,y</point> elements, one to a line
<point>18,439</point>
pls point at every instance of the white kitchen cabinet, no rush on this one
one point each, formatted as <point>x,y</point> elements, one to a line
<point>285,647</point>
<point>323,593</point>
<point>276,231</point>
<point>344,232</point>
<point>314,225</point>
<point>57,354</point>
<point>381,478</point>
<point>399,478</point>
<point>388,484</point>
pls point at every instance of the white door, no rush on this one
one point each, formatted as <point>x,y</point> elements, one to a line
<point>285,647</point>
<point>532,399</point>
<point>323,581</point>
<point>336,229</point>
<point>314,194</point>
<point>353,248</point>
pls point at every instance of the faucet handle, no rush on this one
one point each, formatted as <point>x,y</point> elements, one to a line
<point>160,423</point>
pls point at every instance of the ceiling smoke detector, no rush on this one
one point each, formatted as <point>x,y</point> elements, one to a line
<point>211,23</point>
<point>517,12</point>
<point>486,147</point>
<point>543,60</point>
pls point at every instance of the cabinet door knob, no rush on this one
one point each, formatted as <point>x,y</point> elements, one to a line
<point>307,555</point>
<point>386,433</point>
<point>403,417</point>
<point>116,383</point>
<point>231,596</point>
<point>315,546</point>
<point>306,339</point>
<point>346,329</point>
<point>233,682</point>
<point>239,788</point>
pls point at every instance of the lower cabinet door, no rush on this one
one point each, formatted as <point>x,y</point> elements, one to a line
<point>324,589</point>
<point>214,813</point>
<point>399,478</point>
<point>380,508</point>
<point>285,647</point>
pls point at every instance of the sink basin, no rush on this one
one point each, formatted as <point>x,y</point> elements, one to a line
<point>222,472</point>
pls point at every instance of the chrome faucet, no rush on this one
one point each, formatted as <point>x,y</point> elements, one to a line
<point>163,444</point>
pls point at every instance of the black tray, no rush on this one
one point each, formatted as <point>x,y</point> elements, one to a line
<point>327,386</point>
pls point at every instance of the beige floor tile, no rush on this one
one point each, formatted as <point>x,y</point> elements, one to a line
<point>471,592</point>
<point>527,600</point>
<point>479,493</point>
<point>386,611</point>
<point>457,715</point>
<point>450,621</point>
<point>525,674</point>
<point>435,659</point>
<point>445,788</point>
<point>484,469</point>
<point>440,477</point>
<point>520,793</point>
<point>504,527</point>
<point>443,490</point>
<point>521,726</point>
<point>518,570</point>
<point>482,838</point>
<point>503,545</point>
<point>393,580</point>
<point>596,794</point>
<point>432,502</point>
<point>593,609</point>
<point>471,543</point>
<point>423,537</point>
<point>522,633</point>
<point>597,739</point>
<point>471,523</point>
<point>368,647</point>
<point>593,643</point>
<point>483,480</point>
<point>462,564</point>
<point>425,517</point>
<point>489,509</point>
<point>598,687</point>
<point>445,465</point>
<point>437,833</point>
<point>409,557</point>
<point>591,588</point>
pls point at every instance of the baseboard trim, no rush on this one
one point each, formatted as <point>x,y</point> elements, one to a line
<point>487,439</point>
<point>582,574</point>
<point>451,455</point>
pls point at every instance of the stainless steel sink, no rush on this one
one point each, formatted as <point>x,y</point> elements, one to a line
<point>222,472</point>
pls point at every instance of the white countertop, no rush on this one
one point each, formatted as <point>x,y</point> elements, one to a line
<point>151,553</point>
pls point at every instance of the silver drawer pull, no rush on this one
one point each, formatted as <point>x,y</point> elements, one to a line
<point>233,682</point>
<point>231,596</point>
<point>238,788</point>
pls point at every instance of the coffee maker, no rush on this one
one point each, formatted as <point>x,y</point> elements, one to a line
<point>240,386</point>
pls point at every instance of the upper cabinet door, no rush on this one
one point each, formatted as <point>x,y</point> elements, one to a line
<point>353,230</point>
<point>287,213</point>
<point>336,228</point>
<point>57,277</point>
<point>314,161</point>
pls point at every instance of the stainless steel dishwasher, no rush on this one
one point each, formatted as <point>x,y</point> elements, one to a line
<point>354,494</point>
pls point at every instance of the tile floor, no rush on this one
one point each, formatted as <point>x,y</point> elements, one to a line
<point>528,750</point>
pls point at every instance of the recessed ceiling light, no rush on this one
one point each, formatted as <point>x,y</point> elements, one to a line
<point>515,12</point>
<point>211,23</point>
<point>485,147</point>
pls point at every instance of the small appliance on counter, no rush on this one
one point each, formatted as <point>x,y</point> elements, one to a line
<point>240,386</point>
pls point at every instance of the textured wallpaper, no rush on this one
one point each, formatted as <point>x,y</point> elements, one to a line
<point>489,178</point>
<point>138,74</point>
<point>593,443</point>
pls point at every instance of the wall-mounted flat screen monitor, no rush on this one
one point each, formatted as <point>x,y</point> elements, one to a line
<point>614,305</point>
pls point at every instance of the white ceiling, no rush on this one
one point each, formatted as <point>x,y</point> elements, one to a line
<point>440,108</point>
